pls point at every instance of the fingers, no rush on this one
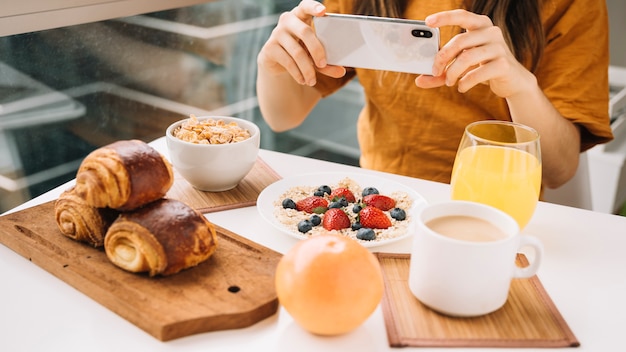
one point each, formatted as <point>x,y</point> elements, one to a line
<point>293,45</point>
<point>424,81</point>
<point>277,58</point>
<point>482,32</point>
<point>299,26</point>
<point>470,53</point>
<point>469,22</point>
<point>308,8</point>
<point>478,75</point>
<point>301,30</point>
<point>461,18</point>
<point>477,55</point>
<point>333,71</point>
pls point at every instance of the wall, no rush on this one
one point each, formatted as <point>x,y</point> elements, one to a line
<point>617,25</point>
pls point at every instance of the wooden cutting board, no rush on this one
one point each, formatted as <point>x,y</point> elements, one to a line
<point>232,289</point>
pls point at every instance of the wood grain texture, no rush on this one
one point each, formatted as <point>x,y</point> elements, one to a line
<point>244,195</point>
<point>232,289</point>
<point>528,319</point>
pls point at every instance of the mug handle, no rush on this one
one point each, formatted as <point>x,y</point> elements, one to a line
<point>531,269</point>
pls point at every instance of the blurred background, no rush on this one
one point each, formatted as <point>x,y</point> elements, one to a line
<point>79,74</point>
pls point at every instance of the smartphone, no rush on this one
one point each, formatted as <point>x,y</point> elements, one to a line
<point>378,43</point>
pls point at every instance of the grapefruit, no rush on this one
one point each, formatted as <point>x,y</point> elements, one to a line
<point>329,284</point>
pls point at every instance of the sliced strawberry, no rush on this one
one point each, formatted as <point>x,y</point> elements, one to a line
<point>379,201</point>
<point>312,204</point>
<point>373,218</point>
<point>342,192</point>
<point>335,219</point>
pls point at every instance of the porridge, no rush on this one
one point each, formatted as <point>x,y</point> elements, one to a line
<point>294,218</point>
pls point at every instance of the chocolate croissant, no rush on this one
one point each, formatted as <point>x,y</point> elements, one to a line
<point>123,175</point>
<point>161,238</point>
<point>81,222</point>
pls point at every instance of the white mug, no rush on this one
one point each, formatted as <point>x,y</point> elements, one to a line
<point>463,277</point>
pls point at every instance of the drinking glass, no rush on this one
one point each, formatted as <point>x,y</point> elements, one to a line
<point>498,163</point>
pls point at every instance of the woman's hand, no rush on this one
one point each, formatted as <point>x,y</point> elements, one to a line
<point>294,48</point>
<point>478,55</point>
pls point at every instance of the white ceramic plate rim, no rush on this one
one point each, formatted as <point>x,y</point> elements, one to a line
<point>265,201</point>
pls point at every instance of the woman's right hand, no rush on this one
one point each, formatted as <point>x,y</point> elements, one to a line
<point>294,48</point>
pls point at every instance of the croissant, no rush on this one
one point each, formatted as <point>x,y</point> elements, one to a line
<point>81,222</point>
<point>123,175</point>
<point>163,237</point>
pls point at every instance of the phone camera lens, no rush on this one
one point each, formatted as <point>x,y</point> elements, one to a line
<point>420,33</point>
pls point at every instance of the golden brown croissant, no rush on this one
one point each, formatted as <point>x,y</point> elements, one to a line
<point>163,237</point>
<point>81,222</point>
<point>123,175</point>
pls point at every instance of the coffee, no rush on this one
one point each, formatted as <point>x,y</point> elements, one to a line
<point>466,228</point>
<point>463,257</point>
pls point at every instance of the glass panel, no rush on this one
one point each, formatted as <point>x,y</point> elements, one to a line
<point>65,92</point>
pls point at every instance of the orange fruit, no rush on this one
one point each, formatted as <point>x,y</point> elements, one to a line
<point>329,284</point>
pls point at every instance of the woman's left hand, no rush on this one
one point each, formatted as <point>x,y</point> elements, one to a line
<point>477,55</point>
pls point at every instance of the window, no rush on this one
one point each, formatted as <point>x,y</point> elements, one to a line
<point>68,90</point>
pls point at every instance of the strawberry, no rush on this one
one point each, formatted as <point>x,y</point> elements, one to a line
<point>379,201</point>
<point>373,218</point>
<point>312,204</point>
<point>342,192</point>
<point>335,219</point>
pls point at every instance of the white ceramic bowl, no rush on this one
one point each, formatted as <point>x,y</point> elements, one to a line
<point>214,167</point>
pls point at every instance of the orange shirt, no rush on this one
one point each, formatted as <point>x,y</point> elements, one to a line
<point>412,131</point>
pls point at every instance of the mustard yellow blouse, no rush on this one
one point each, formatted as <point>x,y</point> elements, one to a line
<point>412,131</point>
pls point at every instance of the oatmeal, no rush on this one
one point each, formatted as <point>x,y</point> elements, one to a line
<point>291,217</point>
<point>210,131</point>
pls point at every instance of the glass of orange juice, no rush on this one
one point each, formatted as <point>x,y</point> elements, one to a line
<point>499,163</point>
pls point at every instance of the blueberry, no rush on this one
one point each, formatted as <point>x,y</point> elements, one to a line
<point>334,205</point>
<point>315,220</point>
<point>366,234</point>
<point>355,226</point>
<point>288,203</point>
<point>398,214</point>
<point>343,201</point>
<point>326,189</point>
<point>305,226</point>
<point>356,208</point>
<point>318,193</point>
<point>369,190</point>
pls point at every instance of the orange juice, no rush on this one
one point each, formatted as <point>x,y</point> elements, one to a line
<point>506,178</point>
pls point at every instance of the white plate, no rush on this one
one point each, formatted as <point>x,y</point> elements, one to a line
<point>266,199</point>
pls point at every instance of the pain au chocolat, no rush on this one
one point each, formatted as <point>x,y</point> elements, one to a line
<point>123,175</point>
<point>161,238</point>
<point>80,221</point>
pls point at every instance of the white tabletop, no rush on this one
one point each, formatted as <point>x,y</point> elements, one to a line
<point>584,272</point>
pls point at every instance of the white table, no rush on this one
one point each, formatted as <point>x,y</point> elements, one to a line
<point>584,272</point>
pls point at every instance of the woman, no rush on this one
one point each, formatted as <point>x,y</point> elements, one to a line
<point>543,64</point>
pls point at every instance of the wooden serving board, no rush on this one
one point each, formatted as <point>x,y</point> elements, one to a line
<point>233,289</point>
<point>244,195</point>
<point>529,318</point>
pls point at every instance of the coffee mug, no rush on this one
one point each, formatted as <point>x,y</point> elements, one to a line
<point>463,257</point>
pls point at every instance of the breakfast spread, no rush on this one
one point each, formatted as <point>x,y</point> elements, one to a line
<point>210,131</point>
<point>123,175</point>
<point>118,204</point>
<point>345,208</point>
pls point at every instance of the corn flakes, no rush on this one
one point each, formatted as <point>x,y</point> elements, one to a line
<point>210,131</point>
